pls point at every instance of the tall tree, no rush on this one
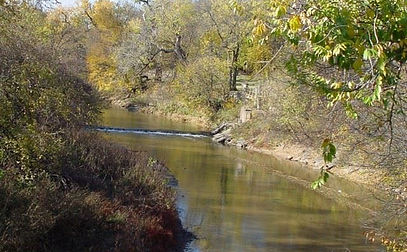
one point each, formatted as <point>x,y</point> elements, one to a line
<point>159,38</point>
<point>230,22</point>
<point>105,32</point>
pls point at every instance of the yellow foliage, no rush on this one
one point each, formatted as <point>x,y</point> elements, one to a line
<point>177,21</point>
<point>295,23</point>
<point>102,72</point>
<point>260,28</point>
<point>101,63</point>
<point>203,84</point>
<point>256,54</point>
<point>210,41</point>
<point>134,25</point>
<point>103,15</point>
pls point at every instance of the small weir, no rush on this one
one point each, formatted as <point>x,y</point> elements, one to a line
<point>158,132</point>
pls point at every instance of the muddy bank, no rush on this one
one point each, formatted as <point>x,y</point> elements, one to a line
<point>307,156</point>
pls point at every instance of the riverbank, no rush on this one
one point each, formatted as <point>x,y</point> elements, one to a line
<point>309,156</point>
<point>261,134</point>
<point>391,200</point>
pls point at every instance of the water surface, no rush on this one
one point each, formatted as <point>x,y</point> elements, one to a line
<point>234,200</point>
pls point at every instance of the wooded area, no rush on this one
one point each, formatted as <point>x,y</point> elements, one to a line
<point>331,73</point>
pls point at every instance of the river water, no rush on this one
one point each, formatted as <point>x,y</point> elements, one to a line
<point>234,200</point>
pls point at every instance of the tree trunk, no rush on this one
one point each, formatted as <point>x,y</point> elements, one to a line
<point>178,49</point>
<point>234,71</point>
<point>158,72</point>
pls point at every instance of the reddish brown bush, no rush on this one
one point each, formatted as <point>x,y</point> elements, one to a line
<point>105,198</point>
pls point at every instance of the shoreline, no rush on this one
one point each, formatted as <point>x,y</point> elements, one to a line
<point>177,117</point>
<point>183,236</point>
<point>294,153</point>
<point>304,156</point>
<point>309,158</point>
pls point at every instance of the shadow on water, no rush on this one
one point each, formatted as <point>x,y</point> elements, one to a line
<point>239,201</point>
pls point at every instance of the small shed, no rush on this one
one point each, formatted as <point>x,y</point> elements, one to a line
<point>245,114</point>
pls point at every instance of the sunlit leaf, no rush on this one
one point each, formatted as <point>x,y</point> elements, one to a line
<point>295,23</point>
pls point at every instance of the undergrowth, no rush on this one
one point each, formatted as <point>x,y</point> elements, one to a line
<point>100,197</point>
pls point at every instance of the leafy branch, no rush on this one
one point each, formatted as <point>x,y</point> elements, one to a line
<point>328,152</point>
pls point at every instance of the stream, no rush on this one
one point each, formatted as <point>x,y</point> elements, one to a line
<point>235,200</point>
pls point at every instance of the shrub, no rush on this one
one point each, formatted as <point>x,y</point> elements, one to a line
<point>203,84</point>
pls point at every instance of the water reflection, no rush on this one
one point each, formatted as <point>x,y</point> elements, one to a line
<point>239,201</point>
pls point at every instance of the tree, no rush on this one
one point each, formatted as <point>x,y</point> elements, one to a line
<point>105,32</point>
<point>361,43</point>
<point>202,84</point>
<point>354,54</point>
<point>157,38</point>
<point>229,21</point>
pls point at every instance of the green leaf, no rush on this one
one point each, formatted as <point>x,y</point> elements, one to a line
<point>280,11</point>
<point>321,180</point>
<point>369,53</point>
<point>325,177</point>
<point>338,49</point>
<point>357,65</point>
<point>381,65</point>
<point>378,90</point>
<point>350,111</point>
<point>368,100</point>
<point>328,150</point>
<point>315,185</point>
